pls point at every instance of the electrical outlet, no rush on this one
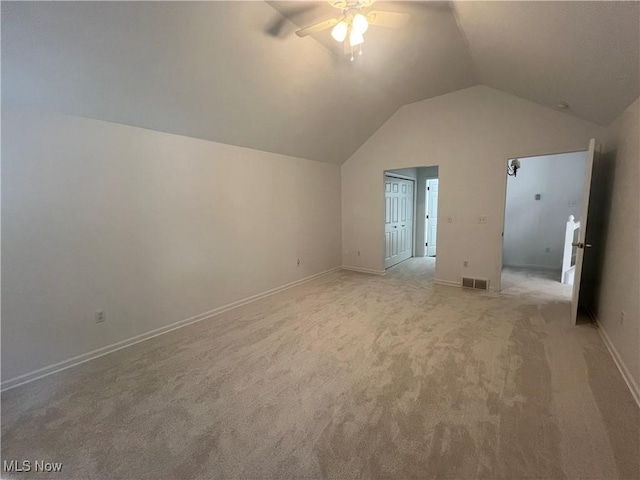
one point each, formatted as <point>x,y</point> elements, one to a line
<point>358,252</point>
<point>298,262</point>
<point>482,219</point>
<point>100,316</point>
<point>449,219</point>
<point>622,315</point>
<point>547,250</point>
<point>465,264</point>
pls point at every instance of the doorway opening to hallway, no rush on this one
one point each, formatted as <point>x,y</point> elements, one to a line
<point>544,203</point>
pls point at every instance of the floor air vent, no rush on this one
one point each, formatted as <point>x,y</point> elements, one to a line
<point>479,283</point>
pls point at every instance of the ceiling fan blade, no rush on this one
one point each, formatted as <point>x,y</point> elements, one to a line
<point>317,27</point>
<point>279,27</point>
<point>276,26</point>
<point>388,19</point>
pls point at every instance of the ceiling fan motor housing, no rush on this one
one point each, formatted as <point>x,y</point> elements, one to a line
<point>346,4</point>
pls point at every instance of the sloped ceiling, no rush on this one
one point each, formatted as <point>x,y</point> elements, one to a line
<point>234,72</point>
<point>201,69</point>
<point>584,53</point>
<point>427,58</point>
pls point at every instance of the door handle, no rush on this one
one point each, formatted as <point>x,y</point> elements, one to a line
<point>403,225</point>
<point>581,245</point>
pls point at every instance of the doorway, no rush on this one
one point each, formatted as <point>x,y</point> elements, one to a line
<point>431,217</point>
<point>544,202</point>
<point>407,253</point>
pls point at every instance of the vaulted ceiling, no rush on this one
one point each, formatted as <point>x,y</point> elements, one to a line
<point>234,72</point>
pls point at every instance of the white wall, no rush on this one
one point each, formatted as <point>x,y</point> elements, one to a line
<point>470,134</point>
<point>533,226</point>
<point>619,285</point>
<point>151,227</point>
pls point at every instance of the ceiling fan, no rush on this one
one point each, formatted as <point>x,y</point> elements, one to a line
<point>350,26</point>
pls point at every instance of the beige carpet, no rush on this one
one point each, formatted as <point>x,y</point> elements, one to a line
<point>535,283</point>
<point>348,376</point>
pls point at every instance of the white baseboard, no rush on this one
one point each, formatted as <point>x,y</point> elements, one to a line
<point>85,357</point>
<point>631,383</point>
<point>364,270</point>
<point>448,283</point>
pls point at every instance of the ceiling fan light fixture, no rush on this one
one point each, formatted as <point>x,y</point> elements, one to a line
<point>339,32</point>
<point>359,24</point>
<point>355,38</point>
<point>353,23</point>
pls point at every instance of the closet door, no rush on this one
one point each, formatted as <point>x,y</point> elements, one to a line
<point>398,220</point>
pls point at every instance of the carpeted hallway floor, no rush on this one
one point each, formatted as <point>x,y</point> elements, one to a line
<point>535,283</point>
<point>350,375</point>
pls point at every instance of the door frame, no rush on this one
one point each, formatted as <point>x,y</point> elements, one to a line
<point>426,223</point>
<point>504,203</point>
<point>386,174</point>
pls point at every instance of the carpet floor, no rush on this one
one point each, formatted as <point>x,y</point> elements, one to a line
<point>347,376</point>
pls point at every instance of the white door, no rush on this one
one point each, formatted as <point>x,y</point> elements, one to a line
<point>431,221</point>
<point>398,220</point>
<point>581,243</point>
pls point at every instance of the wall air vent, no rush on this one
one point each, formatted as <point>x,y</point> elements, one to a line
<point>467,282</point>
<point>478,283</point>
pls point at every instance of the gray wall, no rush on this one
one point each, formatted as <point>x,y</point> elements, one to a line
<point>152,228</point>
<point>532,226</point>
<point>618,235</point>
